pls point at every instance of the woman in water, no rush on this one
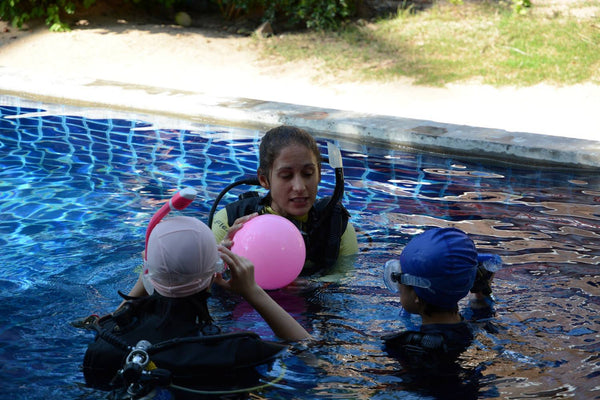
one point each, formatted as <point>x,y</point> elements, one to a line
<point>290,169</point>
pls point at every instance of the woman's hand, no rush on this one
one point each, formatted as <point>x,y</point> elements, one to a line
<point>237,225</point>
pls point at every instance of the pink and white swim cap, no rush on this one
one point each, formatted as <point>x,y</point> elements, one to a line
<point>181,257</point>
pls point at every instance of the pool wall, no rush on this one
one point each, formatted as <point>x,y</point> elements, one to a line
<point>518,147</point>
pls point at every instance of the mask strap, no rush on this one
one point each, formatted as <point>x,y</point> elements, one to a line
<point>393,275</point>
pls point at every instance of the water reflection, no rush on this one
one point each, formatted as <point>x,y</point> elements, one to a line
<point>77,194</point>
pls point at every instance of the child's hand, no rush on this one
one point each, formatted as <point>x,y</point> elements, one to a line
<point>242,282</point>
<point>237,225</point>
<point>242,274</point>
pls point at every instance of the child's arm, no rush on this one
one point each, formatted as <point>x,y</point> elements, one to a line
<point>138,290</point>
<point>242,282</point>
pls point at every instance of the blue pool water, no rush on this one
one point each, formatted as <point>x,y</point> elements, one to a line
<point>76,194</point>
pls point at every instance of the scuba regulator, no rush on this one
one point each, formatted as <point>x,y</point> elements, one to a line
<point>138,376</point>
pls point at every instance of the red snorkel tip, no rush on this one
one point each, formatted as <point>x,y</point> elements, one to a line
<point>179,201</point>
<point>182,199</point>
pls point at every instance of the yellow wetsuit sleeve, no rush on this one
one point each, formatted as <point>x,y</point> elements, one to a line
<point>348,243</point>
<point>219,225</point>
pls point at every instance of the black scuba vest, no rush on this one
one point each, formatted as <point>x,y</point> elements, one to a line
<point>429,350</point>
<point>194,355</point>
<point>322,234</point>
<point>432,365</point>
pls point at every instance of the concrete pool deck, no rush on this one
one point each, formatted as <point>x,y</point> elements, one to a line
<point>187,74</point>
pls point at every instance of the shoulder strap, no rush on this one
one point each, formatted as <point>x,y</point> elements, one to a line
<point>325,233</point>
<point>190,359</point>
<point>414,344</point>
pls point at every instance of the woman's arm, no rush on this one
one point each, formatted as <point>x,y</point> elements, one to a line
<point>220,226</point>
<point>138,290</point>
<point>242,282</point>
<point>348,242</point>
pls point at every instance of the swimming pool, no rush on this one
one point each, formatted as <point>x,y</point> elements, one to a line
<point>78,192</point>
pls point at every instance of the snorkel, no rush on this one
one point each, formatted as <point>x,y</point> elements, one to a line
<point>179,201</point>
<point>335,160</point>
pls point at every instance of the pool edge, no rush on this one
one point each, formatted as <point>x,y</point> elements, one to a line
<point>438,137</point>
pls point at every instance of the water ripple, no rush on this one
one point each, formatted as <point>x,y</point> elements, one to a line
<point>77,192</point>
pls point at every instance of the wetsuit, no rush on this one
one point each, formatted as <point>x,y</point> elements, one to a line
<point>433,345</point>
<point>430,360</point>
<point>325,242</point>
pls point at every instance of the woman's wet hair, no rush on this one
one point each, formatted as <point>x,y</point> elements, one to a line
<point>279,138</point>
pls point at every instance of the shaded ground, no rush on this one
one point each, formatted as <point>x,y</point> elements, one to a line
<point>134,48</point>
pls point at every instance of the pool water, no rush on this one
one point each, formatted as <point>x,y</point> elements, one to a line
<point>77,192</point>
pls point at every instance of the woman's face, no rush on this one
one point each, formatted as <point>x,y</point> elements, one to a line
<point>293,181</point>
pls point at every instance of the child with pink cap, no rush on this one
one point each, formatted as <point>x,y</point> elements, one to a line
<point>182,260</point>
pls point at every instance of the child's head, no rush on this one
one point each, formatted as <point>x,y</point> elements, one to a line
<point>290,167</point>
<point>181,258</point>
<point>439,265</point>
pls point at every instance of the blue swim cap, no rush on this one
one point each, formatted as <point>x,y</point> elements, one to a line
<point>447,258</point>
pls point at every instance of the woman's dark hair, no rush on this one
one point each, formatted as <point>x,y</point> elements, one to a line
<point>277,139</point>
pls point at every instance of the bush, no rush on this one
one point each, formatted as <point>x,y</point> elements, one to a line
<point>20,11</point>
<point>311,14</point>
<point>520,6</point>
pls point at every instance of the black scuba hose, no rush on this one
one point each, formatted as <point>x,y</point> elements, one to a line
<point>338,192</point>
<point>248,181</point>
<point>110,338</point>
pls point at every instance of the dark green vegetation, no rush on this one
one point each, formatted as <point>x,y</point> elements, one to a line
<point>497,42</point>
<point>311,14</point>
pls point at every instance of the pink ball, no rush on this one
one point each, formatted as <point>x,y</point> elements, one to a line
<point>275,247</point>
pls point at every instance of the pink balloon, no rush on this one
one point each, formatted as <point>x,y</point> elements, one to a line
<point>275,247</point>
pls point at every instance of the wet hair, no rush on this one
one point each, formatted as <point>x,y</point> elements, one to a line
<point>277,139</point>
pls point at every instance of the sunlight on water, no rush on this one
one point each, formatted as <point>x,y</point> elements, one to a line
<point>77,193</point>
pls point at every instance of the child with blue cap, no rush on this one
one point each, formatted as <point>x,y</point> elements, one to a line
<point>435,271</point>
